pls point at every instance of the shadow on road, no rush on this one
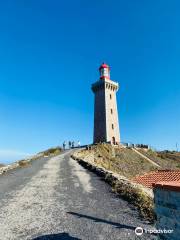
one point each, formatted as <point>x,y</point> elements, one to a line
<point>58,236</point>
<point>118,225</point>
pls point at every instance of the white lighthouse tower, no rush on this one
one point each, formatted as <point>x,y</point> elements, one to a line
<point>106,124</point>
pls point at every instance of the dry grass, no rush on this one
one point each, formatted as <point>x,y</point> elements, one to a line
<point>119,160</point>
<point>24,163</point>
<point>52,151</point>
<point>139,198</point>
<point>166,159</point>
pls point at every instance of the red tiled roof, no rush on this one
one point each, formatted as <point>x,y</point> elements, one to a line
<point>150,178</point>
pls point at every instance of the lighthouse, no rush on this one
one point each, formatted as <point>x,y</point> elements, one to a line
<point>106,123</point>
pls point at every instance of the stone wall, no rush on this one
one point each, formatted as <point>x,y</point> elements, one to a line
<point>167,208</point>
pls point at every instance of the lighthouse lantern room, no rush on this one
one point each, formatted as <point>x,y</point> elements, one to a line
<point>106,124</point>
<point>104,71</point>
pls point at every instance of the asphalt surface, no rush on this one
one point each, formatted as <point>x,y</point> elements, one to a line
<point>55,198</point>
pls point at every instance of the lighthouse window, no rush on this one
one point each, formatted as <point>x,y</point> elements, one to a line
<point>110,96</point>
<point>111,111</point>
<point>112,126</point>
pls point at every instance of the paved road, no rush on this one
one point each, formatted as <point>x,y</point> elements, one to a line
<point>56,198</point>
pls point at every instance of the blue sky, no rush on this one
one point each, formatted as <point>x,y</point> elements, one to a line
<point>50,52</point>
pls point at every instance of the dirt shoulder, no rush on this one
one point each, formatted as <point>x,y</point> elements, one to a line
<point>102,159</point>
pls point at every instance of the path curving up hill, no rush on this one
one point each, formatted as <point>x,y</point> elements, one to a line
<point>55,198</point>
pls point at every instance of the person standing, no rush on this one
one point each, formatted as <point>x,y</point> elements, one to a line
<point>69,144</point>
<point>64,145</point>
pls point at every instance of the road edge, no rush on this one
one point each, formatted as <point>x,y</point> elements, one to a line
<point>131,192</point>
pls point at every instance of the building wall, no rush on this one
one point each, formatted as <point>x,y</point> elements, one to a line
<point>103,117</point>
<point>99,115</point>
<point>167,208</point>
<point>111,118</point>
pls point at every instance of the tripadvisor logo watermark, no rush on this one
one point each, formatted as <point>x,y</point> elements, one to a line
<point>139,231</point>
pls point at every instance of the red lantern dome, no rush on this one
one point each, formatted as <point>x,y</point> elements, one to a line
<point>104,65</point>
<point>104,70</point>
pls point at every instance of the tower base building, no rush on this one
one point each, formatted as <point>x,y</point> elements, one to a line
<point>106,124</point>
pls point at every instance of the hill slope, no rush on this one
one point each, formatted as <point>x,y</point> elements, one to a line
<point>128,163</point>
<point>123,161</point>
<point>166,159</point>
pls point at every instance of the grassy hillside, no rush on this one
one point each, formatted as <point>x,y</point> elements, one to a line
<point>123,161</point>
<point>166,159</point>
<point>126,162</point>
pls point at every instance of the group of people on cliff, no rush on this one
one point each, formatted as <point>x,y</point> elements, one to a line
<point>71,144</point>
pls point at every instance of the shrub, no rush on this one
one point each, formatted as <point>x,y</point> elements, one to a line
<point>23,163</point>
<point>52,151</point>
<point>137,197</point>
